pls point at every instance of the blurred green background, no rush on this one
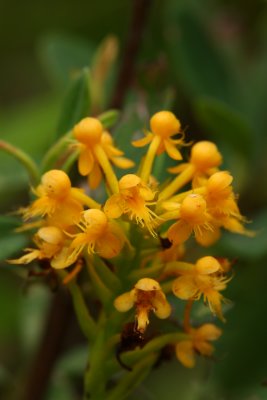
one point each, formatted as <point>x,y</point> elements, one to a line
<point>207,61</point>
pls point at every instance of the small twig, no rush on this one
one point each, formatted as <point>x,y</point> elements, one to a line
<point>133,43</point>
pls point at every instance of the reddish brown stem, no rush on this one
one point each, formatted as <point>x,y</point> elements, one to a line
<point>187,313</point>
<point>49,348</point>
<point>132,46</point>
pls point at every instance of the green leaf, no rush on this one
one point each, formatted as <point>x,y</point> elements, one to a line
<point>60,389</point>
<point>33,309</point>
<point>109,118</point>
<point>244,247</point>
<point>64,55</point>
<point>10,241</point>
<point>195,59</point>
<point>73,363</point>
<point>224,124</point>
<point>77,102</point>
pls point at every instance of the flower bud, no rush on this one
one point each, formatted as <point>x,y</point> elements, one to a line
<point>56,184</point>
<point>193,209</point>
<point>205,155</point>
<point>88,131</point>
<point>165,124</point>
<point>207,265</point>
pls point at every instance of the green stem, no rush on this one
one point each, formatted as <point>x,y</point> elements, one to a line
<point>167,286</point>
<point>95,379</point>
<point>101,290</point>
<point>132,379</point>
<point>55,151</point>
<point>108,277</point>
<point>131,357</point>
<point>24,159</point>
<point>71,159</point>
<point>86,322</point>
<point>148,272</point>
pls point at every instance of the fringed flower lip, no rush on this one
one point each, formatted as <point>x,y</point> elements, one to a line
<point>134,199</point>
<point>146,296</point>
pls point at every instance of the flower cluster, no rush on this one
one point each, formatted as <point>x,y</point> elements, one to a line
<point>135,241</point>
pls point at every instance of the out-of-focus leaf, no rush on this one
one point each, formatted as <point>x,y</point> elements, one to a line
<point>246,247</point>
<point>130,128</point>
<point>245,335</point>
<point>103,67</point>
<point>77,102</point>
<point>224,124</point>
<point>64,55</point>
<point>170,382</point>
<point>10,241</point>
<point>9,308</point>
<point>195,60</point>
<point>74,362</point>
<point>11,244</point>
<point>60,389</point>
<point>8,222</point>
<point>30,127</point>
<point>33,307</point>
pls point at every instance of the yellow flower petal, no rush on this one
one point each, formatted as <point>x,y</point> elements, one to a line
<point>172,151</point>
<point>162,308</point>
<point>124,302</point>
<point>109,245</point>
<point>206,237</point>
<point>85,162</point>
<point>143,141</point>
<point>95,177</point>
<point>147,285</point>
<point>204,348</point>
<point>63,259</point>
<point>112,207</point>
<point>184,287</point>
<point>123,162</point>
<point>215,299</point>
<point>179,232</point>
<point>185,353</point>
<point>129,181</point>
<point>32,254</point>
<point>208,332</point>
<point>207,265</point>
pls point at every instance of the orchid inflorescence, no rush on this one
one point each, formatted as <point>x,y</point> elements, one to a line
<point>134,243</point>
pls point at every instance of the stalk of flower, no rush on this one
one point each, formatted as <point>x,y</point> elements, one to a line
<point>198,342</point>
<point>133,199</point>
<point>205,278</point>
<point>97,152</point>
<point>204,161</point>
<point>146,296</point>
<point>163,126</point>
